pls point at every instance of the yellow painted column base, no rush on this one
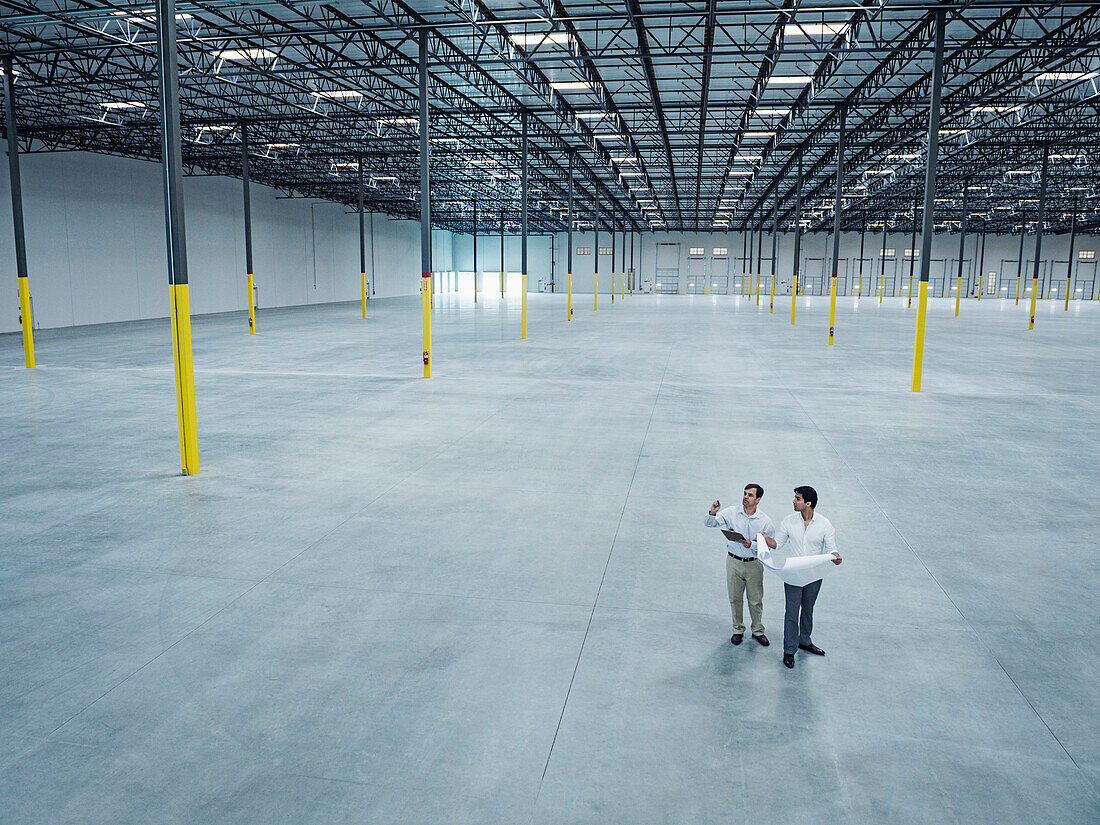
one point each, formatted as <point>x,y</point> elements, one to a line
<point>1067,295</point>
<point>475,286</point>
<point>918,343</point>
<point>958,295</point>
<point>26,321</point>
<point>185,378</point>
<point>832,309</point>
<point>426,320</point>
<point>1034,297</point>
<point>523,313</point>
<point>794,297</point>
<point>569,297</point>
<point>771,301</point>
<point>595,293</point>
<point>363,291</point>
<point>251,305</point>
<point>612,287</point>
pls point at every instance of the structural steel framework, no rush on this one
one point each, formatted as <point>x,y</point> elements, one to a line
<point>669,115</point>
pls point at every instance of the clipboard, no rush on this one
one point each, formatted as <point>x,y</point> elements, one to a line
<point>732,535</point>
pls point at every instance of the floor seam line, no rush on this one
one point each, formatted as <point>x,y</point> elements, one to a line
<point>599,590</point>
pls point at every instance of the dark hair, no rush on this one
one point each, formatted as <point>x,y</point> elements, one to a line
<point>759,490</point>
<point>809,495</point>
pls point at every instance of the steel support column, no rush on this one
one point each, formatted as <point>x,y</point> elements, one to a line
<point>172,164</point>
<point>362,245</point>
<point>569,252</point>
<point>475,252</point>
<point>929,198</point>
<point>882,263</point>
<point>1039,234</point>
<point>503,268</point>
<point>862,238</point>
<point>26,322</point>
<point>596,253</point>
<point>523,229</point>
<point>249,276</point>
<point>425,208</point>
<point>1020,257</point>
<point>836,221</point>
<point>775,242</point>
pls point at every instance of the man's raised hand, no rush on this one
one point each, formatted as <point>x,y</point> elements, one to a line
<point>714,508</point>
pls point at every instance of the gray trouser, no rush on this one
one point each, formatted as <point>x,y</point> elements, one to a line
<point>798,621</point>
<point>742,577</point>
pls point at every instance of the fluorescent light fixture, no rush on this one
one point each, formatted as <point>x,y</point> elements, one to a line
<point>443,140</point>
<point>936,200</point>
<point>1077,189</point>
<point>593,115</point>
<point>771,112</point>
<point>390,178</point>
<point>997,108</point>
<point>215,127</point>
<point>283,145</point>
<point>147,16</point>
<point>903,156</point>
<point>609,136</point>
<point>571,85</point>
<point>246,54</point>
<point>878,172</point>
<point>1065,156</point>
<point>482,161</point>
<point>976,188</point>
<point>123,104</point>
<point>741,172</point>
<point>747,158</point>
<point>1029,200</point>
<point>334,93</point>
<point>624,160</point>
<point>346,164</point>
<point>537,39</point>
<point>1066,75</point>
<point>758,134</point>
<point>630,174</point>
<point>1020,172</point>
<point>813,29</point>
<point>953,131</point>
<point>790,79</point>
<point>1003,208</point>
<point>399,121</point>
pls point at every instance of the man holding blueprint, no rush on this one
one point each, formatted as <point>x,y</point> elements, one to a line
<point>812,542</point>
<point>740,526</point>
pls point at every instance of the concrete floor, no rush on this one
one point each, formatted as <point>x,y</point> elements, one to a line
<point>489,597</point>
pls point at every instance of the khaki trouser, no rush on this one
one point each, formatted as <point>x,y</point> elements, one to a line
<point>742,576</point>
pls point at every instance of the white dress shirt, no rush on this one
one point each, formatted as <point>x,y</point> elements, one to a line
<point>734,518</point>
<point>813,539</point>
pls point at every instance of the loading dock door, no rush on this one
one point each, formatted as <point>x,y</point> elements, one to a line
<point>719,275</point>
<point>668,268</point>
<point>697,275</point>
<point>1084,281</point>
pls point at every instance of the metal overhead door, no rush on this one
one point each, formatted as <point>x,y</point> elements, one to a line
<point>697,275</point>
<point>809,282</point>
<point>719,275</point>
<point>1006,275</point>
<point>1084,280</point>
<point>937,278</point>
<point>1056,280</point>
<point>668,268</point>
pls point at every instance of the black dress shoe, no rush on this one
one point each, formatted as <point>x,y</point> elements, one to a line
<point>814,649</point>
<point>736,638</point>
<point>788,659</point>
<point>762,639</point>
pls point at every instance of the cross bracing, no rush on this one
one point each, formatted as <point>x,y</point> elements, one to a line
<point>674,115</point>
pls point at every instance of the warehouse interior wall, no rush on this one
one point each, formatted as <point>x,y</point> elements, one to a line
<point>96,244</point>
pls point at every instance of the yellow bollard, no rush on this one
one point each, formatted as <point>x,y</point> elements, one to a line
<point>881,287</point>
<point>758,289</point>
<point>1017,290</point>
<point>363,291</point>
<point>1034,296</point>
<point>771,302</point>
<point>475,286</point>
<point>918,344</point>
<point>859,290</point>
<point>569,297</point>
<point>832,309</point>
<point>185,378</point>
<point>958,295</point>
<point>794,297</point>
<point>523,312</point>
<point>251,306</point>
<point>1067,293</point>
<point>981,288</point>
<point>622,285</point>
<point>426,317</point>
<point>26,321</point>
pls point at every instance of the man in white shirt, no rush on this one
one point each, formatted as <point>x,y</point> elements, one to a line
<point>743,571</point>
<point>809,535</point>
